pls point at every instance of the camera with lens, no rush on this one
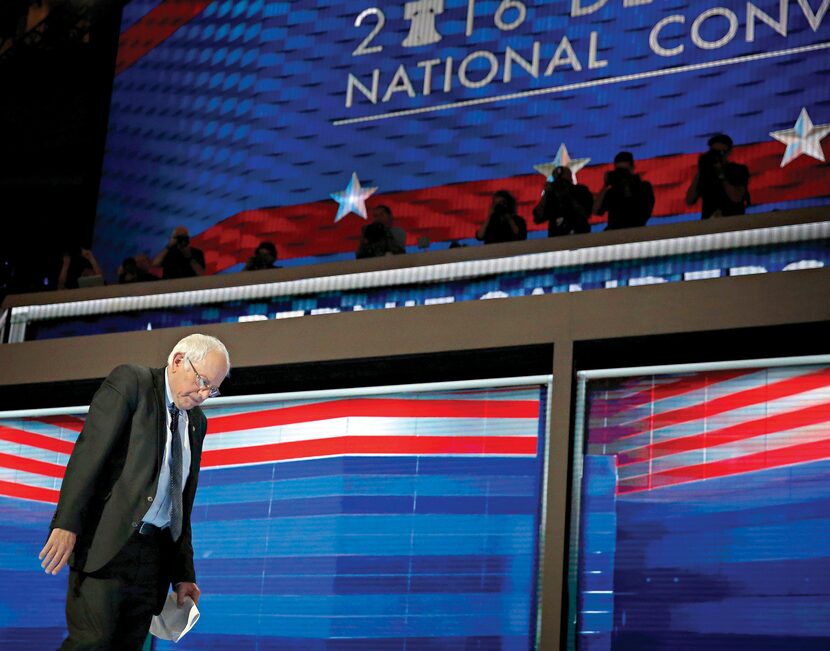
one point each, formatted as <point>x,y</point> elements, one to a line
<point>500,212</point>
<point>559,172</point>
<point>711,167</point>
<point>375,232</point>
<point>182,241</point>
<point>618,177</point>
<point>712,159</point>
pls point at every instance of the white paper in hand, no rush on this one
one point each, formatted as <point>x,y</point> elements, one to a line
<point>174,622</point>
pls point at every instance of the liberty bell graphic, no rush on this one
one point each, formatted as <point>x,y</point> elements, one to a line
<point>421,15</point>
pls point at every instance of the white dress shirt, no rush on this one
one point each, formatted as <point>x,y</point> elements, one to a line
<point>159,513</point>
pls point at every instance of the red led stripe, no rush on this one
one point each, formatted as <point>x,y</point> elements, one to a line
<point>338,446</point>
<point>371,407</point>
<point>31,465</point>
<point>72,423</point>
<point>803,453</point>
<point>10,489</point>
<point>376,445</point>
<point>39,441</point>
<point>154,28</point>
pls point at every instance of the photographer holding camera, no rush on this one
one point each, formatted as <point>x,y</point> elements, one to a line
<point>626,198</point>
<point>502,223</point>
<point>264,257</point>
<point>565,206</point>
<point>178,259</point>
<point>720,183</point>
<point>381,237</point>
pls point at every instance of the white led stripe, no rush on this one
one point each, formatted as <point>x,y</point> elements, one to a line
<point>369,426</point>
<point>33,453</point>
<point>434,273</point>
<point>30,479</point>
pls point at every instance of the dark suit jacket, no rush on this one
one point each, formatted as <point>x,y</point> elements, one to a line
<point>112,475</point>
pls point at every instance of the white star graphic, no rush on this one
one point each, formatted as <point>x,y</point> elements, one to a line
<point>804,138</point>
<point>562,159</point>
<point>352,199</point>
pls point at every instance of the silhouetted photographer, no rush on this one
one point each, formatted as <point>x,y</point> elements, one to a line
<point>721,184</point>
<point>628,200</point>
<point>381,237</point>
<point>264,257</point>
<point>179,259</point>
<point>502,223</point>
<point>564,205</point>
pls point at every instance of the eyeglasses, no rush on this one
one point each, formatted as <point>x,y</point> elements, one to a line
<point>203,383</point>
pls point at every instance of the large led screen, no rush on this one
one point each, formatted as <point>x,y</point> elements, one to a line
<point>704,511</point>
<point>250,120</point>
<point>378,521</point>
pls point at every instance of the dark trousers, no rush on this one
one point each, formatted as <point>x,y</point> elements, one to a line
<point>111,609</point>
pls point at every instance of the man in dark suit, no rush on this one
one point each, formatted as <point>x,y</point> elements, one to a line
<point>123,517</point>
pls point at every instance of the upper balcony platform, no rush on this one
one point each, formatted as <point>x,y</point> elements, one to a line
<point>752,244</point>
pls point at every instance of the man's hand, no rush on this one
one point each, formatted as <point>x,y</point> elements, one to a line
<point>57,550</point>
<point>187,589</point>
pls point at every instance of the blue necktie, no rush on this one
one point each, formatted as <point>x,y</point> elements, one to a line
<point>175,474</point>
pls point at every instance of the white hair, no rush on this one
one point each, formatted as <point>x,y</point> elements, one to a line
<point>196,347</point>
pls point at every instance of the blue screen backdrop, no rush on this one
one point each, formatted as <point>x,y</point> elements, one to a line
<point>239,119</point>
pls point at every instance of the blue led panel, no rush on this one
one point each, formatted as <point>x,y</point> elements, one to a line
<point>704,517</point>
<point>402,521</point>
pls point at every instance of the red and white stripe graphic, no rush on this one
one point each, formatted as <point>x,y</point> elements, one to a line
<point>34,451</point>
<point>33,455</point>
<point>709,425</point>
